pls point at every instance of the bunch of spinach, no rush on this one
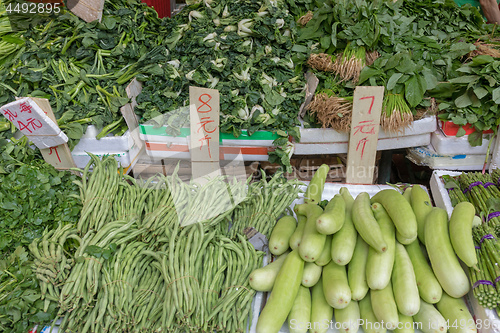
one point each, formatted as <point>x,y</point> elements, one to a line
<point>83,68</point>
<point>473,97</point>
<point>243,49</point>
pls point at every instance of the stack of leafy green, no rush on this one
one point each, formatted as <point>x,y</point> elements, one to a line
<point>83,68</point>
<point>10,40</point>
<point>33,196</point>
<point>473,96</point>
<point>420,43</point>
<point>242,48</point>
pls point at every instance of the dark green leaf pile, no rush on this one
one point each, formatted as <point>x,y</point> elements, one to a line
<point>420,43</point>
<point>83,68</point>
<point>33,196</point>
<point>243,49</point>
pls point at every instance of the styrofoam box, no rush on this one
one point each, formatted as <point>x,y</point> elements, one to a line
<point>150,133</point>
<point>441,198</point>
<point>89,143</point>
<point>451,145</point>
<point>161,150</point>
<point>342,147</point>
<point>125,158</point>
<point>329,191</point>
<point>426,155</point>
<point>328,135</point>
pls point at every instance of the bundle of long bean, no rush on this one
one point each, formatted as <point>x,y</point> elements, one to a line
<point>51,264</point>
<point>97,193</point>
<point>130,286</point>
<point>268,200</point>
<point>206,278</point>
<point>485,280</point>
<point>495,175</point>
<point>479,188</point>
<point>211,202</point>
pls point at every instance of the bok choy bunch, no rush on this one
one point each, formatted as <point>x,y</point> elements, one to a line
<point>243,49</point>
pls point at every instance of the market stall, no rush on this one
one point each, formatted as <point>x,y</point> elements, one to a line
<point>93,241</point>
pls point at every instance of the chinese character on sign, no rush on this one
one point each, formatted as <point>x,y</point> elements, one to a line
<point>9,114</point>
<point>34,123</point>
<point>365,127</point>
<point>204,121</point>
<point>361,144</point>
<point>25,107</point>
<point>54,149</point>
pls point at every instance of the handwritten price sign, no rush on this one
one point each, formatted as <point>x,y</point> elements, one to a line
<point>204,115</point>
<point>204,124</point>
<point>33,122</point>
<point>367,107</point>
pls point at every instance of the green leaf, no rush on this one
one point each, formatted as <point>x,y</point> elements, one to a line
<point>367,73</point>
<point>476,138</point>
<point>495,95</point>
<point>459,120</point>
<point>471,118</point>
<point>480,92</point>
<point>393,80</point>
<point>465,79</point>
<point>430,79</point>
<point>463,101</point>
<point>482,59</point>
<point>73,130</point>
<point>414,92</point>
<point>461,132</point>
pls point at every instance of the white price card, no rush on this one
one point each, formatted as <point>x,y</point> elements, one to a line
<point>33,122</point>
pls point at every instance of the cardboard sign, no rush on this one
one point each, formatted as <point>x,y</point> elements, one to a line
<point>204,140</point>
<point>133,90</point>
<point>87,10</point>
<point>365,123</point>
<point>34,123</point>
<point>59,156</point>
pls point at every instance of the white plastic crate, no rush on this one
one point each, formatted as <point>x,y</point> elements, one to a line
<point>451,145</point>
<point>342,147</point>
<point>327,135</point>
<point>427,156</point>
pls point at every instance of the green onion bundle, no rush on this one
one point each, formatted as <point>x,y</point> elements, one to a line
<point>396,114</point>
<point>349,65</point>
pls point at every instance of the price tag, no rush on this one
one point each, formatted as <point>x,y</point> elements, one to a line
<point>204,141</point>
<point>365,123</point>
<point>33,122</point>
<point>59,156</point>
<point>87,10</point>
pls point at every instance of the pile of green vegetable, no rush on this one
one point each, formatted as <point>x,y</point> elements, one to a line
<point>481,193</point>
<point>242,48</point>
<point>419,43</point>
<point>83,68</point>
<point>157,254</point>
<point>363,261</point>
<point>33,197</point>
